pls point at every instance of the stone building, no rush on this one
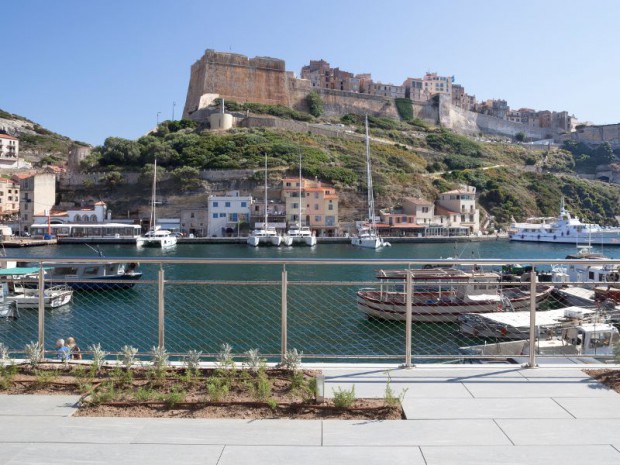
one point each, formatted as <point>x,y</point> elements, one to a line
<point>226,213</point>
<point>37,197</point>
<point>322,75</point>
<point>77,153</point>
<point>9,151</point>
<point>194,221</point>
<point>9,197</point>
<point>386,90</point>
<point>435,84</point>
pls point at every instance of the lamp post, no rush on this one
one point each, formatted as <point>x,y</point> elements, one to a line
<point>158,113</point>
<point>174,104</point>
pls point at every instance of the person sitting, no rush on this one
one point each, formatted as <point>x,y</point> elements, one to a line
<point>62,351</point>
<point>74,350</point>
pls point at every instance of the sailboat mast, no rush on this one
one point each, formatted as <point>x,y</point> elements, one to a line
<point>153,197</point>
<point>300,210</point>
<point>265,226</point>
<point>371,200</point>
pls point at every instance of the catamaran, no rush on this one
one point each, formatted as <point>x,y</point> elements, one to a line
<point>156,237</point>
<point>301,235</point>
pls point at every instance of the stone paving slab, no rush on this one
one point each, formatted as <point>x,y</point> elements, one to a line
<point>539,388</point>
<point>117,454</point>
<point>52,429</point>
<point>9,451</point>
<point>414,390</point>
<point>444,409</point>
<point>270,455</point>
<point>443,374</point>
<point>530,455</point>
<point>573,374</point>
<point>561,432</point>
<point>37,405</point>
<point>412,433</point>
<point>591,408</point>
<point>227,431</point>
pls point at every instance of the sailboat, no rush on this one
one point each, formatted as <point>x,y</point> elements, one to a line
<point>367,236</point>
<point>156,237</point>
<point>265,235</point>
<point>299,234</point>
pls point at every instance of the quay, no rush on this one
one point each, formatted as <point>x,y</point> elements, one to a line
<point>27,242</point>
<point>466,415</point>
<point>242,240</point>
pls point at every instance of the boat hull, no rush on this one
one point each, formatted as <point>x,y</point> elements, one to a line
<point>427,309</point>
<point>598,239</point>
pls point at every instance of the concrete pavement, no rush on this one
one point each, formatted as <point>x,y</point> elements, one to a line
<point>478,414</point>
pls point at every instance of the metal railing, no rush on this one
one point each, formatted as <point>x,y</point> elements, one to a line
<point>332,310</point>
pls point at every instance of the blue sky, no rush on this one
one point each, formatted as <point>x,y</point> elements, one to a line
<point>93,69</point>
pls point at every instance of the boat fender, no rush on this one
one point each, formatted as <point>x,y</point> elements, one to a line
<point>554,237</point>
<point>538,237</point>
<point>613,277</point>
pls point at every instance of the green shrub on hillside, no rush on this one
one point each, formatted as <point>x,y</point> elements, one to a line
<point>448,142</point>
<point>405,108</point>
<point>315,104</point>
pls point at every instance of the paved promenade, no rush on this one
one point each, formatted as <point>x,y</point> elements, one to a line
<point>474,414</point>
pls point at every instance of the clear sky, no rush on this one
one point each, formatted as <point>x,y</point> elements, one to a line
<point>90,69</point>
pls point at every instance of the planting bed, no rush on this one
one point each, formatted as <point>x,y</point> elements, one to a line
<point>203,393</point>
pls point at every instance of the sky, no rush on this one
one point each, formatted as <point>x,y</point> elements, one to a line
<point>94,69</point>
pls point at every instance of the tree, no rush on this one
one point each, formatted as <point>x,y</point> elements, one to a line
<point>520,136</point>
<point>315,104</point>
<point>118,151</point>
<point>187,177</point>
<point>112,179</point>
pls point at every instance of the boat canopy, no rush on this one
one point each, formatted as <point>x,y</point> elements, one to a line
<point>21,270</point>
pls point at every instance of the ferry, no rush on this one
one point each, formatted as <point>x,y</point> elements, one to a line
<point>565,229</point>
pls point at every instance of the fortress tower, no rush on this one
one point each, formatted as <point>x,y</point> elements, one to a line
<point>236,77</point>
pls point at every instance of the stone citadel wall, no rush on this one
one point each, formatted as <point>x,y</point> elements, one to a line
<point>265,80</point>
<point>594,135</point>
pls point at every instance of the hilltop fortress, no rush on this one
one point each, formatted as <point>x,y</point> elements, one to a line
<point>435,99</point>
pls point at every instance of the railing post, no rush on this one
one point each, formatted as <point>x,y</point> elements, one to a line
<point>42,307</point>
<point>533,281</point>
<point>408,318</point>
<point>161,306</point>
<point>284,315</point>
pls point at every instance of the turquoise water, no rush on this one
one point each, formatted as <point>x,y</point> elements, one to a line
<point>322,319</point>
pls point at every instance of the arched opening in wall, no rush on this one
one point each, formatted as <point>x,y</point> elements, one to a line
<point>603,178</point>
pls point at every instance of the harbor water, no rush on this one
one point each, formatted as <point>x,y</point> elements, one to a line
<point>322,321</point>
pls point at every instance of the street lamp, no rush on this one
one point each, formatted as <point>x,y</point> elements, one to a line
<point>158,113</point>
<point>174,104</point>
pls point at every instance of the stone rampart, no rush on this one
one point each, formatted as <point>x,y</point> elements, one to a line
<point>594,135</point>
<point>472,123</point>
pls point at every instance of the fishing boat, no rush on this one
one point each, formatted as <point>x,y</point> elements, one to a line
<point>156,237</point>
<point>267,235</point>
<point>301,235</point>
<point>440,295</point>
<point>94,276</point>
<point>16,286</point>
<point>563,229</point>
<point>367,236</point>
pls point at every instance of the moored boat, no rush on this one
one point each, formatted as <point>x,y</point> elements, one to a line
<point>440,295</point>
<point>563,229</point>
<point>16,286</point>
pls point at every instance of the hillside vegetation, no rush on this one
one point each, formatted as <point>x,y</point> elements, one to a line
<point>409,158</point>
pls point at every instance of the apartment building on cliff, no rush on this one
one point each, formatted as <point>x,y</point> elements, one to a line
<point>453,214</point>
<point>318,205</point>
<point>9,197</point>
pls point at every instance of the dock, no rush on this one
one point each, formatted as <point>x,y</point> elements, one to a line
<point>27,242</point>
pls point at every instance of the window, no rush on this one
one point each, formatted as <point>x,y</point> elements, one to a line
<point>192,215</point>
<point>317,219</point>
<point>227,204</point>
<point>234,217</point>
<point>244,204</point>
<point>215,215</point>
<point>215,204</point>
<point>295,205</point>
<point>222,215</point>
<point>316,206</point>
<point>316,195</point>
<point>330,207</point>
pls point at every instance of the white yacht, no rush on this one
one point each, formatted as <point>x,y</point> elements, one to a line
<point>564,229</point>
<point>266,235</point>
<point>156,237</point>
<point>367,236</point>
<point>301,235</point>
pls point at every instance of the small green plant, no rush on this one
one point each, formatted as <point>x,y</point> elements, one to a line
<point>217,388</point>
<point>99,356</point>
<point>34,353</point>
<point>44,378</point>
<point>389,397</point>
<point>272,404</point>
<point>224,357</point>
<point>128,356</point>
<point>254,361</point>
<point>192,360</point>
<point>7,373</point>
<point>344,398</point>
<point>121,378</point>
<point>174,397</point>
<point>291,360</point>
<point>160,358</point>
<point>4,352</point>
<point>144,394</point>
<point>105,393</point>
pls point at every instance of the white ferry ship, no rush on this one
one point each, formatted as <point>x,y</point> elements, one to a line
<point>564,229</point>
